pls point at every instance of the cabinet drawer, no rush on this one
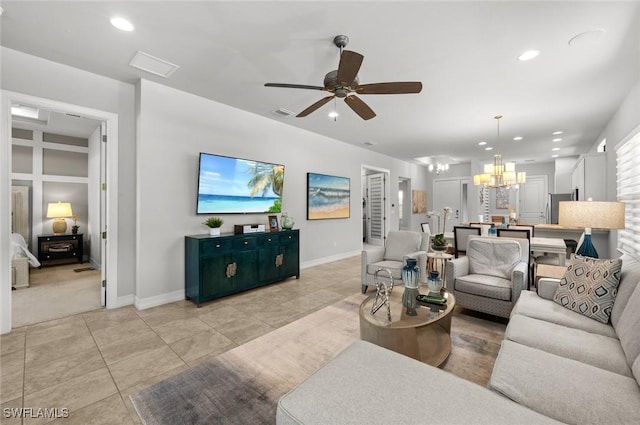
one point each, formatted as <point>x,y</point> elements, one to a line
<point>245,242</point>
<point>211,247</point>
<point>268,240</point>
<point>287,239</point>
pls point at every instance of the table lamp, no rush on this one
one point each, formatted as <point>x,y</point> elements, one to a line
<point>59,211</point>
<point>590,214</point>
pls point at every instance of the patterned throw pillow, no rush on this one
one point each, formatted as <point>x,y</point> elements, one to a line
<point>589,287</point>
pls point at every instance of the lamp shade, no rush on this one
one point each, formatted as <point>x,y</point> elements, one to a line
<point>59,210</point>
<point>590,214</point>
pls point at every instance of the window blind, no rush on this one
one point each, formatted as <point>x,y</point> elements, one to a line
<point>628,187</point>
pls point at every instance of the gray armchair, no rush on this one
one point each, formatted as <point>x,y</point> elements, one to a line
<point>400,245</point>
<point>491,276</point>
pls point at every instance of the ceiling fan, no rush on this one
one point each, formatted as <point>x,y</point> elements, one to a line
<point>343,82</point>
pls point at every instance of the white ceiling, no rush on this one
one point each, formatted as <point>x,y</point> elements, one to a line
<point>463,52</point>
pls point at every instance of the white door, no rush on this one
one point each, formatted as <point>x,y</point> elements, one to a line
<point>376,206</point>
<point>103,213</point>
<point>533,199</point>
<point>447,193</point>
<point>404,204</point>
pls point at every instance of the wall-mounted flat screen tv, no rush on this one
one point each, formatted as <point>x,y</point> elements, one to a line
<point>228,185</point>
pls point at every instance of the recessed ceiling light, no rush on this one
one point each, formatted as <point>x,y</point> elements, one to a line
<point>122,24</point>
<point>482,143</point>
<point>555,156</point>
<point>24,111</point>
<point>557,140</point>
<point>528,55</point>
<point>555,133</point>
<point>555,149</point>
<point>517,138</point>
<point>488,148</point>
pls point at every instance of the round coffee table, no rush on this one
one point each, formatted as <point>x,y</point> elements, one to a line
<point>425,337</point>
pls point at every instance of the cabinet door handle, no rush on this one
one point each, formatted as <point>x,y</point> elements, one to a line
<point>246,242</point>
<point>218,246</point>
<point>231,269</point>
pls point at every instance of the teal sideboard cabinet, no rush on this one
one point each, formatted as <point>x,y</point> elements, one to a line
<point>216,266</point>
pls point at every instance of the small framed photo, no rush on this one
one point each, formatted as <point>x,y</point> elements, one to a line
<point>273,223</point>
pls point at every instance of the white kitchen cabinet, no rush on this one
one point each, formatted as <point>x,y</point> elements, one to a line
<point>590,177</point>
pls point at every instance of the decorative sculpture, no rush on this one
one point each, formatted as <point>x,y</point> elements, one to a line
<point>382,293</point>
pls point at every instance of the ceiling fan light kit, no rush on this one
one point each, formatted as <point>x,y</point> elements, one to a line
<point>343,83</point>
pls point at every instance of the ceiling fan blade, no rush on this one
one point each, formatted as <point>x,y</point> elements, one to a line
<point>390,88</point>
<point>315,106</point>
<point>349,66</point>
<point>293,86</point>
<point>359,107</point>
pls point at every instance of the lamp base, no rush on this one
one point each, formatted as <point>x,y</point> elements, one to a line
<point>59,226</point>
<point>587,249</point>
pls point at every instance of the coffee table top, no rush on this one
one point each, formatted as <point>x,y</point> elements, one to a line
<point>399,317</point>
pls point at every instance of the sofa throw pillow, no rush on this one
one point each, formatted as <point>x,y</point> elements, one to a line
<point>589,287</point>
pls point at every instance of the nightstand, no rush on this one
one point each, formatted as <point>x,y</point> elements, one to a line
<point>55,247</point>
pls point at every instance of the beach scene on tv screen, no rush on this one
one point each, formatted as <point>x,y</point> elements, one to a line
<point>232,185</point>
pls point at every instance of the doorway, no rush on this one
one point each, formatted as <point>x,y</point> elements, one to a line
<point>375,210</point>
<point>533,200</point>
<point>404,203</point>
<point>106,216</point>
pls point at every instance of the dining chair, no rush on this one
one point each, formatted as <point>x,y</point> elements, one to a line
<point>484,226</point>
<point>522,226</point>
<point>515,233</point>
<point>461,235</point>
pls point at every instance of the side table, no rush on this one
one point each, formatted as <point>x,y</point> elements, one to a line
<point>54,247</point>
<point>436,261</point>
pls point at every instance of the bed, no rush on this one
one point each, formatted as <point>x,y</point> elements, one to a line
<point>21,257</point>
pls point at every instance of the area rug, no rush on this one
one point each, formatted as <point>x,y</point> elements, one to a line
<point>242,386</point>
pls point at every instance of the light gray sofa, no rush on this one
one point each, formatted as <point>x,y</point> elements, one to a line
<point>554,366</point>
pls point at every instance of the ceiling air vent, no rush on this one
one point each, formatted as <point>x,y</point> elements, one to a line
<point>283,112</point>
<point>153,65</point>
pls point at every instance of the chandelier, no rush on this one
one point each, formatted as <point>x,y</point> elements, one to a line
<point>438,168</point>
<point>500,173</point>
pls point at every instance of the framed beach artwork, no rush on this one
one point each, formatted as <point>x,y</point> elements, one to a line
<point>328,196</point>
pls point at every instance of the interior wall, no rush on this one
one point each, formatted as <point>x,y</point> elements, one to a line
<point>174,127</point>
<point>623,124</point>
<point>66,84</point>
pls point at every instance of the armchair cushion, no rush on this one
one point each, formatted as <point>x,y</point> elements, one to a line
<point>399,243</point>
<point>485,286</point>
<point>589,287</point>
<point>493,259</point>
<point>395,267</point>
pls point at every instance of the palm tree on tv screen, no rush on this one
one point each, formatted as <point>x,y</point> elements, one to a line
<point>265,177</point>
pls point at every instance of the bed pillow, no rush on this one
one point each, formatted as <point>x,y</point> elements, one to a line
<point>589,287</point>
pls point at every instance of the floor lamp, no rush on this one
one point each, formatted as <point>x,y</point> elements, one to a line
<point>591,214</point>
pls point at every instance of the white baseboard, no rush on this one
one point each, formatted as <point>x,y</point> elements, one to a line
<point>144,303</point>
<point>329,259</point>
<point>123,301</point>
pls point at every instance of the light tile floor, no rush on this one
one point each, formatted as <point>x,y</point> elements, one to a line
<point>90,363</point>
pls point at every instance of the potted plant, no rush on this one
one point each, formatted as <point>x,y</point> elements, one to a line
<point>214,224</point>
<point>75,227</point>
<point>438,241</point>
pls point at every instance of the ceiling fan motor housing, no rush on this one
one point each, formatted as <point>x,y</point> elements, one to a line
<point>331,83</point>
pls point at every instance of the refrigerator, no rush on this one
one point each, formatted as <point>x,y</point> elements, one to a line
<point>553,204</point>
